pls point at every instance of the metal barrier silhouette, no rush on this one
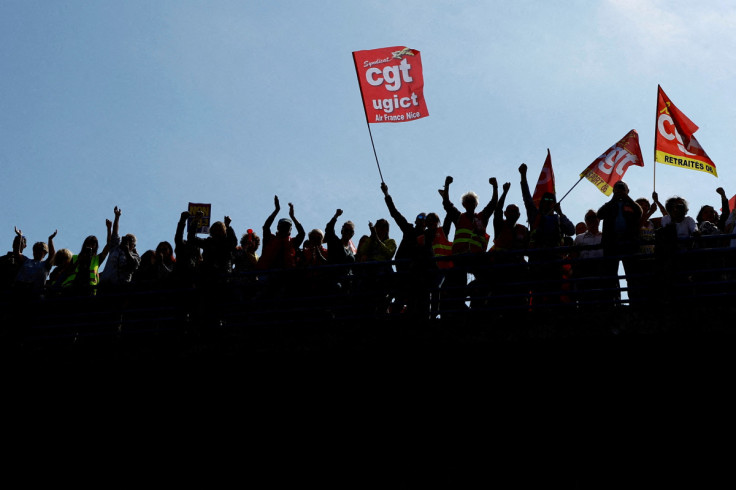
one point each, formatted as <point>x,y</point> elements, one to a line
<point>499,285</point>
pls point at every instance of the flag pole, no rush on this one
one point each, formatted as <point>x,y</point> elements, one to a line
<point>654,165</point>
<point>362,101</point>
<point>571,188</point>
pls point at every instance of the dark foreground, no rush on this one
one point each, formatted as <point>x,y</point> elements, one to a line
<point>512,399</point>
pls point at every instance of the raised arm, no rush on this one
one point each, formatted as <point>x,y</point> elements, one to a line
<point>662,209</point>
<point>491,207</point>
<point>531,208</point>
<point>453,214</point>
<point>17,243</point>
<point>498,214</point>
<point>272,216</point>
<point>299,238</point>
<point>179,236</point>
<point>116,221</point>
<point>446,224</point>
<point>52,249</point>
<point>402,223</point>
<point>446,191</point>
<point>725,209</point>
<point>105,250</point>
<point>108,226</point>
<point>232,239</point>
<point>330,228</point>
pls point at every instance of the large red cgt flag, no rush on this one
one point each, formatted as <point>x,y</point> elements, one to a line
<point>610,167</point>
<point>391,84</point>
<point>674,143</point>
<point>546,181</point>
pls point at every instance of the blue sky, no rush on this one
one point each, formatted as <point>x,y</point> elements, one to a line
<point>150,105</point>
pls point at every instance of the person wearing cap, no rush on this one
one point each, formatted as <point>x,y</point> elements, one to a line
<point>279,249</point>
<point>408,246</point>
<point>408,252</point>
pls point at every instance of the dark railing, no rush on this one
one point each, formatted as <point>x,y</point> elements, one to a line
<point>498,287</point>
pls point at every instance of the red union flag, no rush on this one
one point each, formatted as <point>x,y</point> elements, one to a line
<point>391,84</point>
<point>546,181</point>
<point>610,167</point>
<point>675,143</point>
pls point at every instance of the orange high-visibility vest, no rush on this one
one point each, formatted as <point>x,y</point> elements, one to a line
<point>441,247</point>
<point>467,240</point>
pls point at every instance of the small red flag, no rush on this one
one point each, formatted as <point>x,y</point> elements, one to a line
<point>610,167</point>
<point>546,181</point>
<point>391,84</point>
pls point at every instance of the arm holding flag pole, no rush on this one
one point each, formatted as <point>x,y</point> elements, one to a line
<point>655,198</point>
<point>531,208</point>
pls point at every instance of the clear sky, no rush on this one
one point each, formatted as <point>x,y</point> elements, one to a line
<point>149,105</point>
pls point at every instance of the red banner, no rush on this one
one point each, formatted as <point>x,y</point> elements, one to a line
<point>675,143</point>
<point>391,84</point>
<point>610,167</point>
<point>546,181</point>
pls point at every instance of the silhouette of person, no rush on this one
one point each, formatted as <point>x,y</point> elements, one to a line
<point>280,249</point>
<point>123,258</point>
<point>468,244</point>
<point>547,228</point>
<point>33,273</point>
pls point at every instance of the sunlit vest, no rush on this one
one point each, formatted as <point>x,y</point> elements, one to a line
<point>470,235</point>
<point>441,247</point>
<point>94,276</point>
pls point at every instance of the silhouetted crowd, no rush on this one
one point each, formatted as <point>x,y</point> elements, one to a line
<point>490,261</point>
